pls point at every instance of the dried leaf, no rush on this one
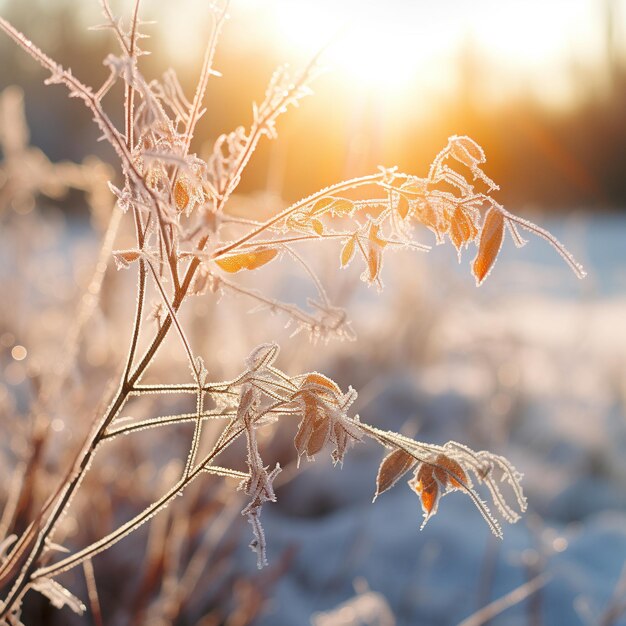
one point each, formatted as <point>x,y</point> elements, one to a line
<point>374,261</point>
<point>393,467</point>
<point>316,378</point>
<point>490,243</point>
<point>318,436</point>
<point>374,254</point>
<point>403,207</point>
<point>313,429</point>
<point>317,226</point>
<point>322,205</point>
<point>181,194</point>
<point>246,260</point>
<point>123,258</point>
<point>200,283</point>
<point>462,229</point>
<point>155,178</point>
<point>336,206</point>
<point>324,417</point>
<point>427,215</point>
<point>427,487</point>
<point>304,222</point>
<point>262,356</point>
<point>347,252</point>
<point>373,236</point>
<point>447,470</point>
<point>466,151</point>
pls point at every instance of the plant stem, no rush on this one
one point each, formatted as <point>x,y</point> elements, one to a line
<point>112,538</point>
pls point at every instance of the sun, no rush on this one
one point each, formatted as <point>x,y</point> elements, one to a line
<point>364,42</point>
<point>388,47</point>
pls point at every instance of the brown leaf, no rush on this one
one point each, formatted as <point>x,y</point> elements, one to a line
<point>393,467</point>
<point>462,229</point>
<point>374,253</point>
<point>490,243</point>
<point>373,236</point>
<point>262,356</point>
<point>305,222</point>
<point>428,216</point>
<point>123,258</point>
<point>427,488</point>
<point>313,428</point>
<point>318,436</point>
<point>322,205</point>
<point>448,470</point>
<point>316,378</point>
<point>337,206</point>
<point>416,186</point>
<point>374,259</point>
<point>246,260</point>
<point>347,252</point>
<point>403,206</point>
<point>317,226</point>
<point>466,151</point>
<point>181,194</point>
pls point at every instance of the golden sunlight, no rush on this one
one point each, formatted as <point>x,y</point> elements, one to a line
<point>402,47</point>
<point>385,47</point>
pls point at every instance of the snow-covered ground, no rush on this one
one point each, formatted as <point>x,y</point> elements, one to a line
<point>532,366</point>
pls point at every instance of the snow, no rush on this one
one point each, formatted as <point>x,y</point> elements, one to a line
<point>531,366</point>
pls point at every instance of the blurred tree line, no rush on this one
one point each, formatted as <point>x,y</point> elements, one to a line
<point>543,158</point>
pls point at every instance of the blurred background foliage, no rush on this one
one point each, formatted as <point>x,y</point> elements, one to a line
<point>541,86</point>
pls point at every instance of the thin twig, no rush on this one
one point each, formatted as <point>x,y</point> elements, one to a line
<point>507,601</point>
<point>92,592</point>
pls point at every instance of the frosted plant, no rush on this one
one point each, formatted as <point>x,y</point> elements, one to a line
<point>187,244</point>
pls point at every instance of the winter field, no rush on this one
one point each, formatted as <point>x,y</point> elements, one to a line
<point>530,366</point>
<point>251,377</point>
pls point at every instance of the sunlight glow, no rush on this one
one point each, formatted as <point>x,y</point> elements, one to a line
<point>370,47</point>
<point>387,46</point>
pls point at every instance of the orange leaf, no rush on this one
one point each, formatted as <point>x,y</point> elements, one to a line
<point>318,227</point>
<point>429,496</point>
<point>428,489</point>
<point>323,381</point>
<point>338,206</point>
<point>246,260</point>
<point>373,236</point>
<point>403,207</point>
<point>314,427</point>
<point>462,229</point>
<point>374,258</point>
<point>318,437</point>
<point>392,468</point>
<point>341,206</point>
<point>123,258</point>
<point>490,243</point>
<point>456,235</point>
<point>466,151</point>
<point>448,470</point>
<point>181,194</point>
<point>322,205</point>
<point>347,252</point>
<point>428,216</point>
